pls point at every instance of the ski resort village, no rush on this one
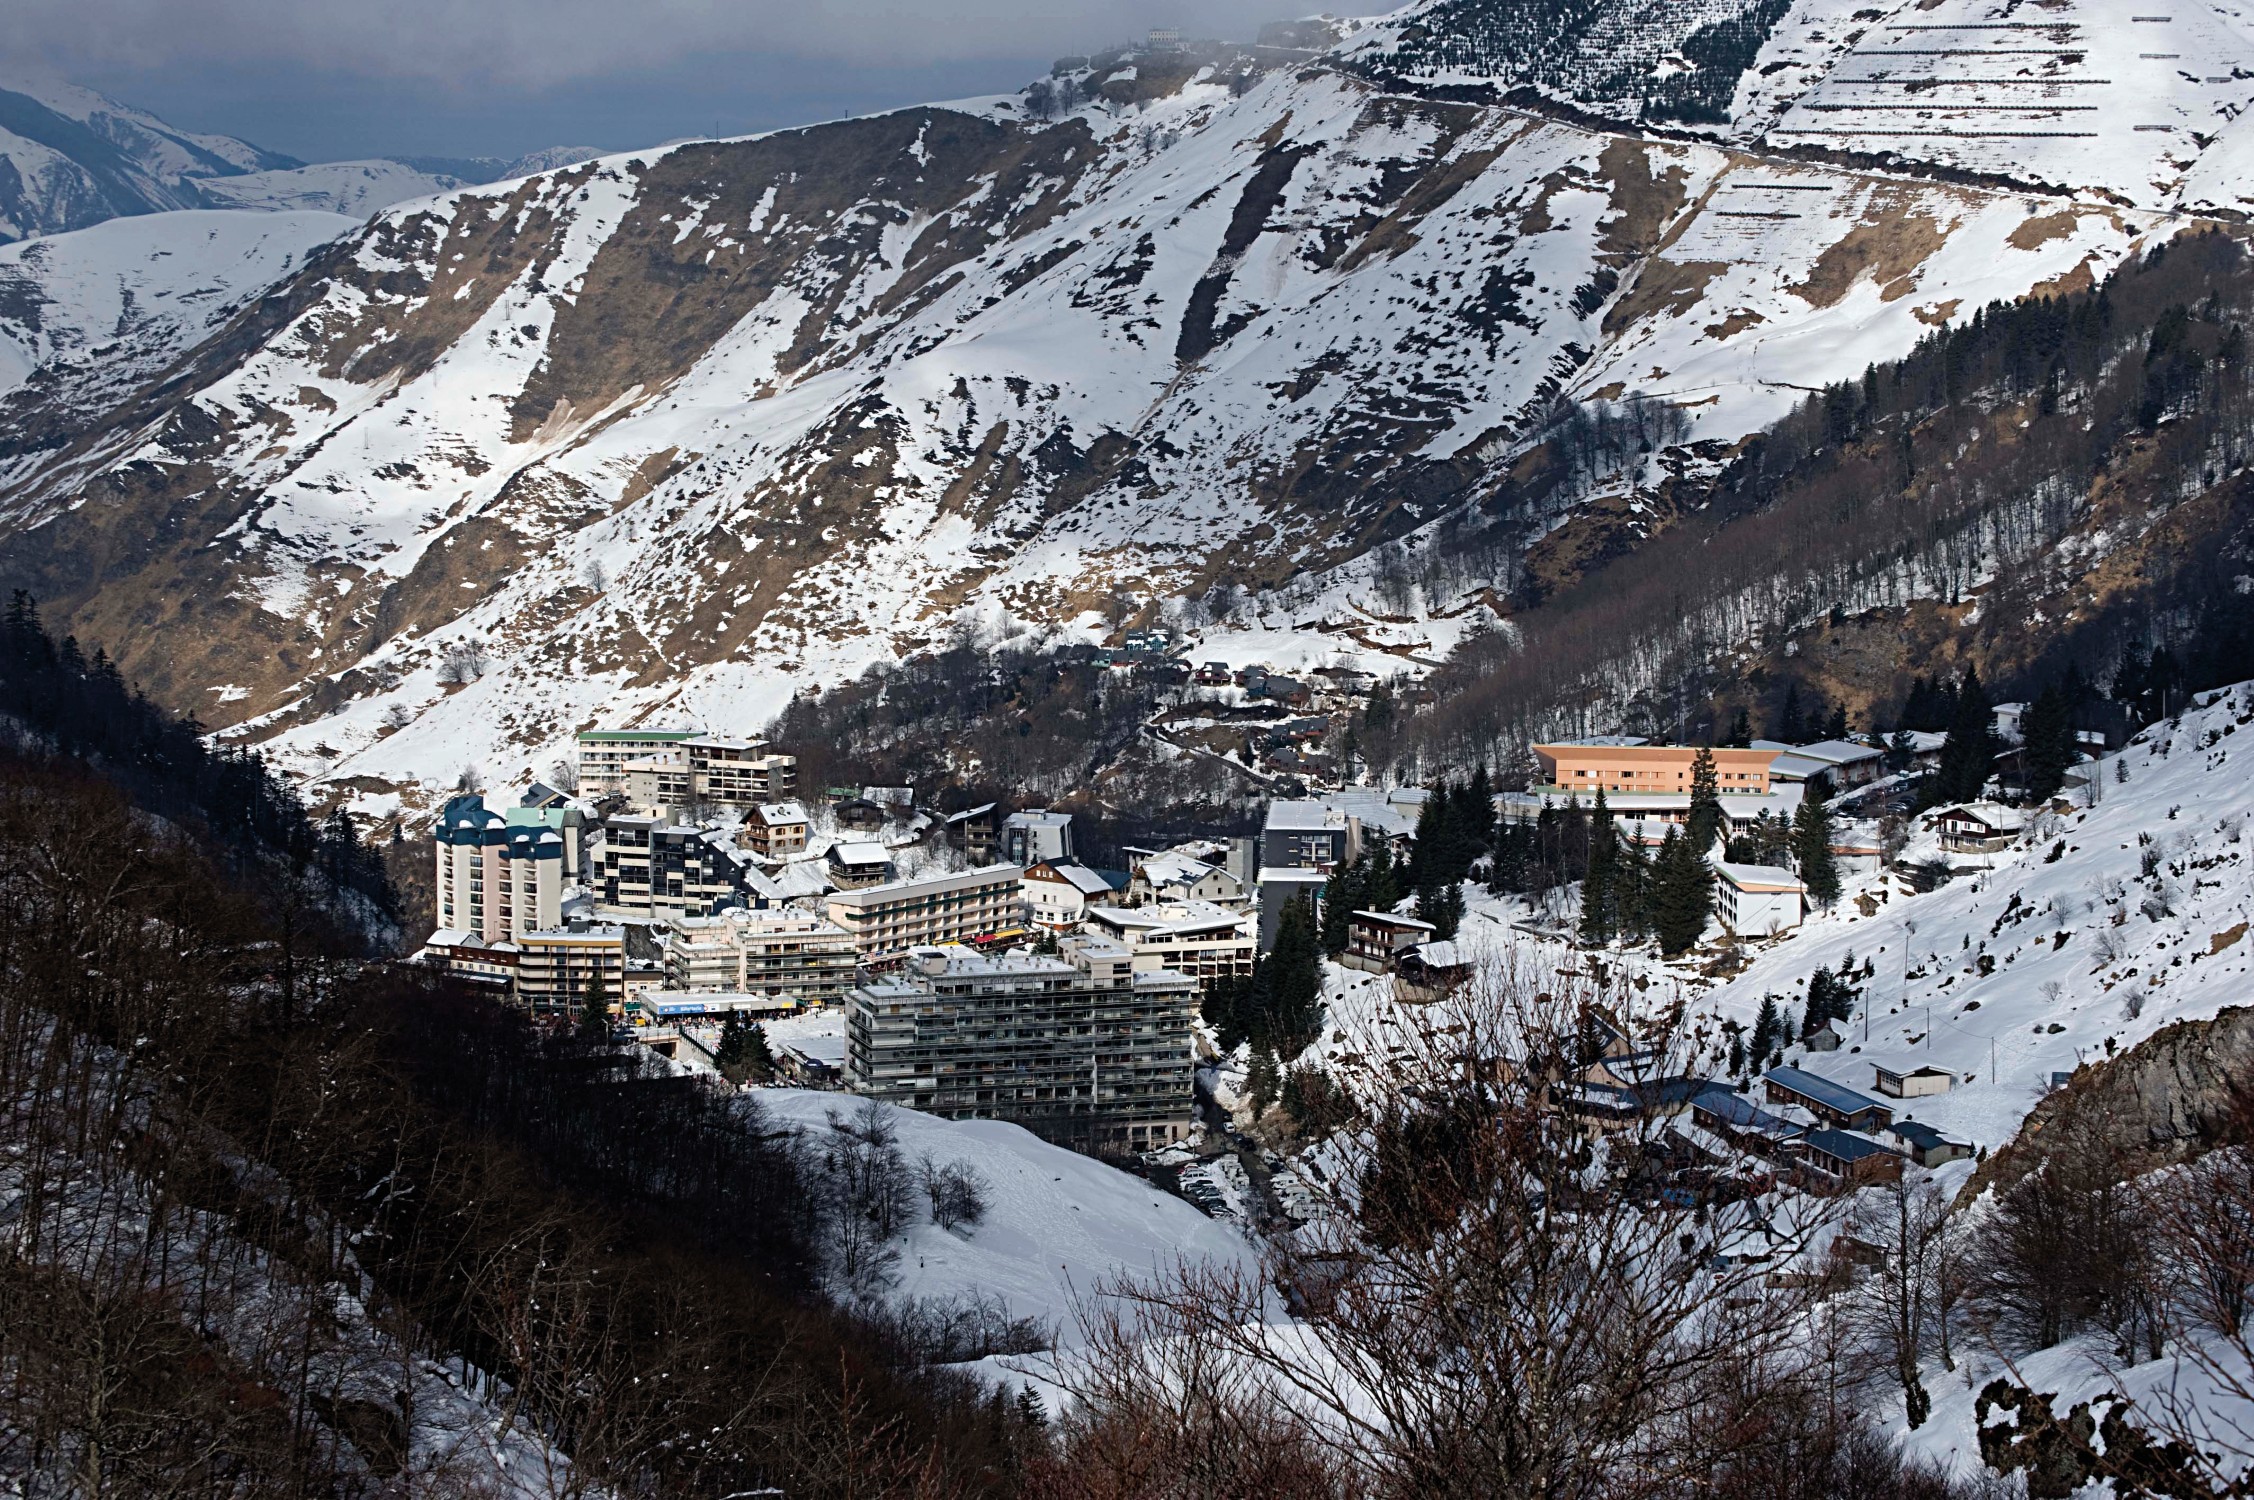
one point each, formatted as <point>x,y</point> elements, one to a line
<point>1197,1003</point>
<point>1496,752</point>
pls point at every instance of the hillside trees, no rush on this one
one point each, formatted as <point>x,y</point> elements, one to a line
<point>1860,503</point>
<point>1278,1007</point>
<point>256,1211</point>
<point>1461,1329</point>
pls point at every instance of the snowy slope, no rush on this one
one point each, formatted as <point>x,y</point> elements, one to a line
<point>1057,1222</point>
<point>357,188</point>
<point>155,283</point>
<point>2120,102</point>
<point>2090,954</point>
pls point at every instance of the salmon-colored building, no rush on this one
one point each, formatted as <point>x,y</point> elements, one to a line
<point>1651,768</point>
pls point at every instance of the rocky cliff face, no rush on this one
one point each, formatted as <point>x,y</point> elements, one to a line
<point>2179,1092</point>
<point>693,430</point>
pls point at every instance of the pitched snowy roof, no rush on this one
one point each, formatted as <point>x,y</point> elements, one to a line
<point>1831,1095</point>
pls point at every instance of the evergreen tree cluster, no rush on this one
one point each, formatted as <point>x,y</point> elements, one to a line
<point>1278,1007</point>
<point>80,708</point>
<point>1801,724</point>
<point>1968,755</point>
<point>1620,889</point>
<point>1454,828</point>
<point>1932,703</point>
<point>2149,687</point>
<point>1369,882</point>
<point>2046,731</point>
<point>1683,894</point>
<point>744,1055</point>
<point>1831,996</point>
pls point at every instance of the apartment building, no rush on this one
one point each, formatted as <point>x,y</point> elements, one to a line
<point>898,915</point>
<point>760,952</point>
<point>556,968</point>
<point>658,783</point>
<point>1300,843</point>
<point>739,773</point>
<point>1616,767</point>
<point>651,868</point>
<point>498,876</point>
<point>1197,938</point>
<point>604,754</point>
<point>656,769</point>
<point>1081,1049</point>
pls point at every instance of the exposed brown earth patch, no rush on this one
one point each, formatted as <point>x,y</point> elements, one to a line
<point>1888,249</point>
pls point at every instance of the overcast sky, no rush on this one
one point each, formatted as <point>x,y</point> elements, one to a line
<point>332,79</point>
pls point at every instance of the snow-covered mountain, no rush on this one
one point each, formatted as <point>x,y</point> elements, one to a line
<point>104,308</point>
<point>71,158</point>
<point>697,427</point>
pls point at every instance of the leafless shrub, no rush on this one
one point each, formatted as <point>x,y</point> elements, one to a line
<point>956,1191</point>
<point>463,662</point>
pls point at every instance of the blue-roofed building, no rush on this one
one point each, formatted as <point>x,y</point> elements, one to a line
<point>1739,1120</point>
<point>1848,1158</point>
<point>499,877</point>
<point>1928,1147</point>
<point>1833,1103</point>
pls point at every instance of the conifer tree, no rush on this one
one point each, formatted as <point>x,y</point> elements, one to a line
<point>1346,892</point>
<point>1597,896</point>
<point>1292,1003</point>
<point>1811,847</point>
<point>1704,822</point>
<point>1263,1081</point>
<point>1684,898</point>
<point>1631,891</point>
<point>1767,1030</point>
<point>1477,806</point>
<point>2047,742</point>
<point>1789,724</point>
<point>1741,730</point>
<point>1970,750</point>
<point>1381,878</point>
<point>594,1008</point>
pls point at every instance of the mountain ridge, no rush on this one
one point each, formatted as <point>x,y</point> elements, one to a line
<point>692,430</point>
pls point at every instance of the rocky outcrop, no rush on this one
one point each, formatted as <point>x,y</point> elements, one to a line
<point>2178,1093</point>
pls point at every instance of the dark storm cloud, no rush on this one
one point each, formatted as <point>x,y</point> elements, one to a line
<point>535,45</point>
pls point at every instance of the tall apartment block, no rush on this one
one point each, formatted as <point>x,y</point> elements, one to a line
<point>499,876</point>
<point>652,868</point>
<point>1079,1049</point>
<point>889,919</point>
<point>760,953</point>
